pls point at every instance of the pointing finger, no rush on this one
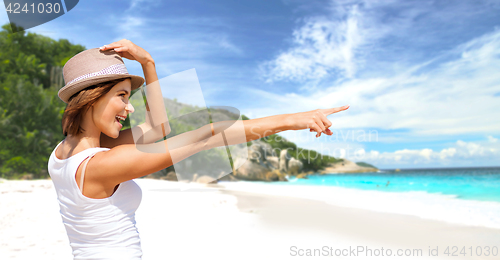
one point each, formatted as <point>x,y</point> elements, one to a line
<point>330,111</point>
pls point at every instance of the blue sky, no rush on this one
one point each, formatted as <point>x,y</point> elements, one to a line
<point>422,75</point>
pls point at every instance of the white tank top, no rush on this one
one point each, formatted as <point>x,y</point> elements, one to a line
<point>96,228</point>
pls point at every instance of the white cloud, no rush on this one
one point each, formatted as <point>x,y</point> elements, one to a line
<point>341,43</point>
<point>450,93</point>
<point>454,98</point>
<point>451,97</point>
<point>461,153</point>
<point>141,5</point>
<point>322,46</point>
<point>129,27</point>
<point>224,42</point>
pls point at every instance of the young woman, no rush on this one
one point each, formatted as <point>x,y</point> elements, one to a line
<point>94,166</point>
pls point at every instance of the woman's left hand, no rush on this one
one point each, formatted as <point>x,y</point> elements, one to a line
<point>129,50</point>
<point>315,120</point>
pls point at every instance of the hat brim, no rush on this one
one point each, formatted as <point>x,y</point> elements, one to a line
<point>69,90</point>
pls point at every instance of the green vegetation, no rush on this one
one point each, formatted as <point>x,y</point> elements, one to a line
<point>31,112</point>
<point>312,160</point>
<point>363,164</point>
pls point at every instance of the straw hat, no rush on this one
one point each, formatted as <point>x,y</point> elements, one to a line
<point>91,67</point>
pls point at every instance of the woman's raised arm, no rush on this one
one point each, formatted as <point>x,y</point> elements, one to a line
<point>156,125</point>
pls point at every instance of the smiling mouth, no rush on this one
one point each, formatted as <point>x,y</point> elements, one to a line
<point>120,118</point>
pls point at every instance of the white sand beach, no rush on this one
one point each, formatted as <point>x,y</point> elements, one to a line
<point>243,220</point>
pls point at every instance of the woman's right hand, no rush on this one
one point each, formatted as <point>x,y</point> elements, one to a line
<point>129,50</point>
<point>314,120</point>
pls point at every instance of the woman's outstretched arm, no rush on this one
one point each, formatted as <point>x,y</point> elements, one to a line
<point>238,131</point>
<point>315,120</point>
<point>127,162</point>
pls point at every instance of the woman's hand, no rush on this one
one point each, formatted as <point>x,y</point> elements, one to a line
<point>315,120</point>
<point>129,50</point>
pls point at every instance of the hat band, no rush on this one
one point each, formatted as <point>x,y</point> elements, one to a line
<point>113,69</point>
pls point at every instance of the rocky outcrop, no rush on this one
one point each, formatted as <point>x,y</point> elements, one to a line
<point>228,177</point>
<point>171,176</point>
<point>275,175</point>
<point>284,157</point>
<point>346,166</point>
<point>262,164</point>
<point>302,176</point>
<point>204,179</point>
<point>294,166</point>
<point>274,161</point>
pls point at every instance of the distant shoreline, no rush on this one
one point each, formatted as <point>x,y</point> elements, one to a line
<point>443,168</point>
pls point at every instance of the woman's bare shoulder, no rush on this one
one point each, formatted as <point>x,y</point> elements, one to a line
<point>128,161</point>
<point>66,150</point>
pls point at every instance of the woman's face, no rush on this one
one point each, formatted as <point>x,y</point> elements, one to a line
<point>115,103</point>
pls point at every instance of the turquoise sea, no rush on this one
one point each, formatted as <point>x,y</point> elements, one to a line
<point>464,183</point>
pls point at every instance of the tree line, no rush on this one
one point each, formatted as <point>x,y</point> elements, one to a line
<point>30,110</point>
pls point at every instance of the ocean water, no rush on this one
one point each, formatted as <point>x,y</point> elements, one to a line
<point>466,196</point>
<point>481,184</point>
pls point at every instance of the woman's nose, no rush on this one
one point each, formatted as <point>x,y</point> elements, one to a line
<point>130,108</point>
